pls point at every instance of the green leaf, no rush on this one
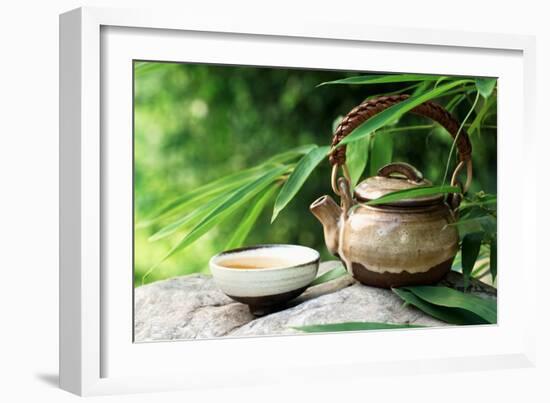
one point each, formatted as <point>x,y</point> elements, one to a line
<point>353,327</point>
<point>485,86</point>
<point>493,259</point>
<point>298,177</point>
<point>487,201</point>
<point>476,124</point>
<point>290,155</point>
<point>440,80</point>
<point>251,216</point>
<point>483,223</point>
<point>395,111</point>
<point>381,151</point>
<point>142,68</point>
<point>477,216</point>
<point>479,269</point>
<point>378,79</point>
<point>469,250</point>
<point>420,191</point>
<point>421,87</point>
<point>190,218</point>
<point>447,297</point>
<point>225,184</point>
<point>237,199</point>
<point>461,95</point>
<point>330,275</point>
<point>456,137</point>
<point>450,315</point>
<point>357,156</point>
<point>472,212</point>
<point>457,99</point>
<point>457,263</point>
<point>198,195</point>
<point>222,211</point>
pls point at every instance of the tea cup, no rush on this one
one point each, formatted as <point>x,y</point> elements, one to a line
<point>265,277</point>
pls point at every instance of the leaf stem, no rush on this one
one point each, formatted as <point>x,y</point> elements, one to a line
<point>424,127</point>
<point>456,138</point>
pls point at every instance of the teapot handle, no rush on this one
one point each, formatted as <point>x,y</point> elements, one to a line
<point>429,109</point>
<point>407,170</point>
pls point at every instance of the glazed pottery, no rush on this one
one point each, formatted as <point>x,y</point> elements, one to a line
<point>266,289</point>
<point>390,245</point>
<point>407,241</point>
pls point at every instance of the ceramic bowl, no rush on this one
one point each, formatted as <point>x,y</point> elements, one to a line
<point>265,290</point>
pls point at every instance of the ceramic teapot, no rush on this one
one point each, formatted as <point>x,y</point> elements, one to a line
<point>405,242</point>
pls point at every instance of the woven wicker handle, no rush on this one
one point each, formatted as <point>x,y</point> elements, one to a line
<point>429,109</point>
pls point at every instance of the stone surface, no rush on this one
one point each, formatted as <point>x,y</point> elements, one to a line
<point>191,307</point>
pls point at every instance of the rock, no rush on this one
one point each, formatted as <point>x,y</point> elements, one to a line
<point>191,307</point>
<point>185,307</point>
<point>356,303</point>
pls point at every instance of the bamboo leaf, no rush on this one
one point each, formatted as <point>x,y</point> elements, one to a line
<point>381,151</point>
<point>476,124</point>
<point>450,315</point>
<point>440,80</point>
<point>298,177</point>
<point>421,87</point>
<point>493,259</point>
<point>479,212</point>
<point>353,327</point>
<point>461,95</point>
<point>420,191</point>
<point>488,201</point>
<point>479,268</point>
<point>190,218</point>
<point>486,222</point>
<point>357,157</point>
<point>478,216</point>
<point>456,137</point>
<point>198,195</point>
<point>457,99</point>
<point>450,298</point>
<point>395,111</point>
<point>378,79</point>
<point>330,275</point>
<point>142,68</point>
<point>290,155</point>
<point>222,211</point>
<point>457,263</point>
<point>469,250</point>
<point>237,199</point>
<point>485,86</point>
<point>223,185</point>
<point>251,217</point>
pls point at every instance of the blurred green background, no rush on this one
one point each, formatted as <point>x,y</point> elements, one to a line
<point>195,123</point>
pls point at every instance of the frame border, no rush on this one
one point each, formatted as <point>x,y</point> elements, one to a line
<point>80,306</point>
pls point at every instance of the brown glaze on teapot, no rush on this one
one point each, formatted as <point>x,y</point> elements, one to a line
<point>406,242</point>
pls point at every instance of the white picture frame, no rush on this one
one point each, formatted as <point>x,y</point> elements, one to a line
<point>97,355</point>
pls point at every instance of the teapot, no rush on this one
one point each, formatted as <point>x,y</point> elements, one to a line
<point>405,242</point>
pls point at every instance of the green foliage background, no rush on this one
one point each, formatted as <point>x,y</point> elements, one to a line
<point>195,123</point>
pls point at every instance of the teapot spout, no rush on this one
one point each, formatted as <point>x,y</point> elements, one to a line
<point>328,212</point>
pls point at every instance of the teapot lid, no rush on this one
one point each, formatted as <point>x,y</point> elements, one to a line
<point>394,177</point>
